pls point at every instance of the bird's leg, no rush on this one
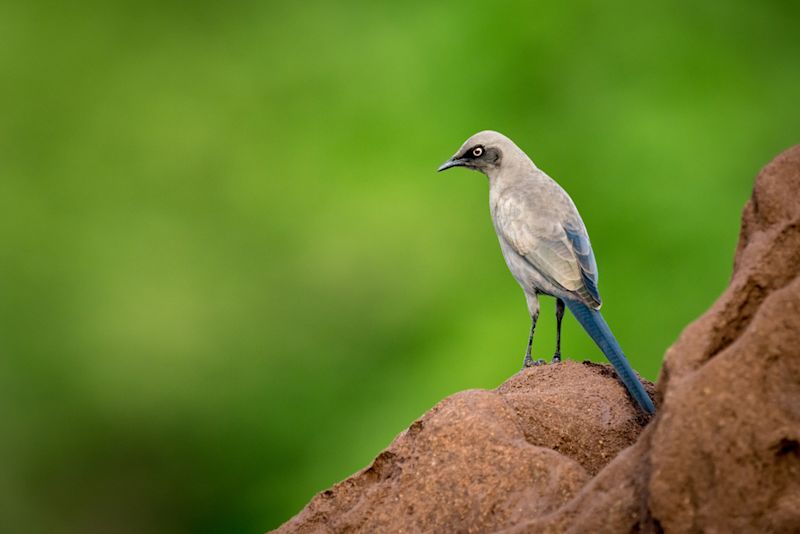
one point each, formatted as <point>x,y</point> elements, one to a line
<point>528,362</point>
<point>559,316</point>
<point>533,308</point>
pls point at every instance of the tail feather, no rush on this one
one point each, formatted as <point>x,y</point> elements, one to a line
<point>597,328</point>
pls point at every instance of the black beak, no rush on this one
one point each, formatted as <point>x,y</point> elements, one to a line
<point>452,162</point>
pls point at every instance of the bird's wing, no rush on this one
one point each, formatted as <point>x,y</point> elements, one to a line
<point>560,251</point>
<point>582,249</point>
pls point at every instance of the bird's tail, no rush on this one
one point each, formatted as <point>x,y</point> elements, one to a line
<point>597,328</point>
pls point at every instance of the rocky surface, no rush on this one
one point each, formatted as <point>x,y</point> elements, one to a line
<point>484,460</point>
<point>562,448</point>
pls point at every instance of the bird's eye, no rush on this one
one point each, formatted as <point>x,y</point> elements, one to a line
<point>477,151</point>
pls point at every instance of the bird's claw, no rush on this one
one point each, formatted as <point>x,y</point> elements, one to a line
<point>556,358</point>
<point>530,362</point>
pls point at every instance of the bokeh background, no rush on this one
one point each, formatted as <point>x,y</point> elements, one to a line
<point>229,274</point>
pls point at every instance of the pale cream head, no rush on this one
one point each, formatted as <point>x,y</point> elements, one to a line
<point>487,151</point>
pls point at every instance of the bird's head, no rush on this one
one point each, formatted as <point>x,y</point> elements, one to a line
<point>485,152</point>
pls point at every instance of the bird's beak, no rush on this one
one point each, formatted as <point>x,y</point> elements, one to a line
<point>452,162</point>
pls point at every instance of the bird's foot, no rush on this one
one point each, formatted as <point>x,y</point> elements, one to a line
<point>556,358</point>
<point>530,362</point>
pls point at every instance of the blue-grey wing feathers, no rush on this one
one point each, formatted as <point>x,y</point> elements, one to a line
<point>583,253</point>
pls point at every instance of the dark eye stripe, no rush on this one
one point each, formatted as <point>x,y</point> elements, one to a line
<point>471,153</point>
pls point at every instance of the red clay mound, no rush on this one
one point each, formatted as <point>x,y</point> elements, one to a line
<point>562,449</point>
<point>484,460</point>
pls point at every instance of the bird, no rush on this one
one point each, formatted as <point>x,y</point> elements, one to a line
<point>545,245</point>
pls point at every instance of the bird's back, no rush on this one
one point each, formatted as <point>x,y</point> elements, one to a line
<point>542,235</point>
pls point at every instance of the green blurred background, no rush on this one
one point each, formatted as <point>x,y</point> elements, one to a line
<point>229,274</point>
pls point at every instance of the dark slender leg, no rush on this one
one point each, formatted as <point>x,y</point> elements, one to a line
<point>559,316</point>
<point>528,361</point>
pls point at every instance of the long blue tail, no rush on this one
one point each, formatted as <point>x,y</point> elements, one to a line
<point>598,330</point>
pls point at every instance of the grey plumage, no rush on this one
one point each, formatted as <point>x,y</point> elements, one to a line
<point>544,242</point>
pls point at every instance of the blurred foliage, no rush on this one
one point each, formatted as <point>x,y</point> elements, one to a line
<point>230,274</point>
